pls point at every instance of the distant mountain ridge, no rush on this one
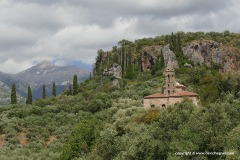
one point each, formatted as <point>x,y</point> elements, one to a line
<point>44,72</point>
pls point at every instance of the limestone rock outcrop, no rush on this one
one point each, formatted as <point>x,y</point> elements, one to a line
<point>115,70</point>
<point>150,53</point>
<point>209,52</point>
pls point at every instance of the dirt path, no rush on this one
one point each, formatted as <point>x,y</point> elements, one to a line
<point>51,139</point>
<point>22,138</point>
<point>2,140</point>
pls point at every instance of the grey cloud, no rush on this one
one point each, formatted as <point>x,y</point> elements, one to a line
<point>104,11</point>
<point>162,8</point>
<point>42,2</point>
<point>34,30</point>
<point>31,16</point>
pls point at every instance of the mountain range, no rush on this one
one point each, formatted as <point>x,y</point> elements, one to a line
<point>44,72</point>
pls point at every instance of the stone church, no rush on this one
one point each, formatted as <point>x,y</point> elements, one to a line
<point>173,92</point>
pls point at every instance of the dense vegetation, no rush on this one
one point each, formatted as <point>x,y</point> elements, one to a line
<point>126,131</point>
<point>105,121</point>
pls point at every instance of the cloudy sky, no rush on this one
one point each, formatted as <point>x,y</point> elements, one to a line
<point>71,31</point>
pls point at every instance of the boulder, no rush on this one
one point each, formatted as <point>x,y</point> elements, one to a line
<point>116,83</point>
<point>187,65</point>
<point>115,70</point>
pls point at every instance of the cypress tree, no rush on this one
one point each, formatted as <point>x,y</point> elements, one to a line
<point>29,95</point>
<point>13,94</point>
<point>140,62</point>
<point>75,85</point>
<point>153,69</point>
<point>123,61</point>
<point>54,89</point>
<point>129,72</point>
<point>130,58</point>
<point>179,43</point>
<point>99,60</point>
<point>107,58</point>
<point>44,92</point>
<point>157,66</point>
<point>173,43</point>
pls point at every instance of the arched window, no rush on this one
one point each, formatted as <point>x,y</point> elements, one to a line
<point>164,105</point>
<point>152,106</point>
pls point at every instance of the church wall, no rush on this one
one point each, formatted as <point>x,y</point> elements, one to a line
<point>174,100</point>
<point>159,103</point>
<point>155,103</point>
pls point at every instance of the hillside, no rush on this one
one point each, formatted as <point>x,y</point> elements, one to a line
<point>106,119</point>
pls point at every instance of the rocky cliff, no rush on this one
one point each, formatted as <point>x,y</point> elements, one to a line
<point>209,52</point>
<point>150,53</point>
<point>220,50</point>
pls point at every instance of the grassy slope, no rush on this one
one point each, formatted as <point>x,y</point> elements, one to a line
<point>117,111</point>
<point>58,116</point>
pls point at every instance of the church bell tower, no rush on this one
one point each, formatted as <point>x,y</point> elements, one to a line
<point>169,73</point>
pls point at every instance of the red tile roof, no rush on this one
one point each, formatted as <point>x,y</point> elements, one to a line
<point>178,94</point>
<point>180,86</point>
<point>157,95</point>
<point>184,93</point>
